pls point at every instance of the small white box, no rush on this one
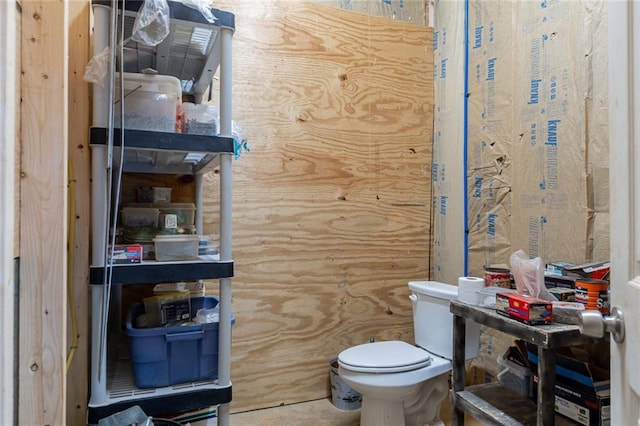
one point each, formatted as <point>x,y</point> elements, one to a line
<point>168,221</point>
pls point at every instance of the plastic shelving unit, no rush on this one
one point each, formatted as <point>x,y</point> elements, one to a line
<point>194,50</point>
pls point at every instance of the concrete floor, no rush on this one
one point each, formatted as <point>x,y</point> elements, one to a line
<point>320,412</point>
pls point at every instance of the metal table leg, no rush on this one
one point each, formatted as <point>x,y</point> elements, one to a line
<point>458,367</point>
<point>546,386</point>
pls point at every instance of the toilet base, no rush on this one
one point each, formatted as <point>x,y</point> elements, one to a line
<point>377,412</point>
<point>421,409</point>
<point>424,407</point>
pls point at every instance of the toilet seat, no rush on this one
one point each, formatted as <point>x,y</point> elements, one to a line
<point>384,357</point>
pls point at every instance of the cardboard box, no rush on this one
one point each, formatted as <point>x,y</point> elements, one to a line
<point>596,271</point>
<point>529,310</point>
<point>563,294</point>
<point>559,281</point>
<point>582,389</point>
<point>125,254</point>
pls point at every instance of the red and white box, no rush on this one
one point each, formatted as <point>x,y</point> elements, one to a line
<point>529,310</point>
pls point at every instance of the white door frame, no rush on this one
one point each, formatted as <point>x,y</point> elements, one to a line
<point>7,205</point>
<point>624,143</point>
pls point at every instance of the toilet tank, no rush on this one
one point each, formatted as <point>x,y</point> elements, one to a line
<point>433,322</point>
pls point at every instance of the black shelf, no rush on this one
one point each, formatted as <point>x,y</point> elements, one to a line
<point>191,51</point>
<point>159,406</point>
<point>162,152</point>
<point>150,272</point>
<point>181,12</point>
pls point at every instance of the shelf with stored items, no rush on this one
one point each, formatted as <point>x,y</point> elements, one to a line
<point>492,403</point>
<point>202,48</point>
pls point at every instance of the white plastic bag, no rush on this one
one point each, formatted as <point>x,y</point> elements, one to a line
<point>206,316</point>
<point>202,6</point>
<point>529,276</point>
<point>152,23</point>
<point>96,69</point>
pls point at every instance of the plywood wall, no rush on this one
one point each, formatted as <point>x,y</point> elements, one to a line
<point>332,203</point>
<point>414,11</point>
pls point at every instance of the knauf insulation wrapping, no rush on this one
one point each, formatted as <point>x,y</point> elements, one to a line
<point>521,155</point>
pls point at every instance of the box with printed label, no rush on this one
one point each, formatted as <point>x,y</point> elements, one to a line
<point>583,389</point>
<point>529,310</point>
<point>125,254</point>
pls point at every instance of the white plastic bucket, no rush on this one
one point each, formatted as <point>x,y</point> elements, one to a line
<point>343,396</point>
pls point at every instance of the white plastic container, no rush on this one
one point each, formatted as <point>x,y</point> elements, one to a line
<point>200,119</point>
<point>151,102</point>
<point>185,212</point>
<point>140,216</point>
<point>176,247</point>
<point>154,194</point>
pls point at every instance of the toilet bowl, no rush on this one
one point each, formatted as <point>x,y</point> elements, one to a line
<point>393,373</point>
<point>403,384</point>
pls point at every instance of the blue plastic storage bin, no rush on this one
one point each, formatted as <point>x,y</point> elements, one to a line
<point>164,356</point>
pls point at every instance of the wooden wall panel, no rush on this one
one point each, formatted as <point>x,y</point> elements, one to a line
<point>332,204</point>
<point>8,130</point>
<point>43,211</point>
<point>79,156</point>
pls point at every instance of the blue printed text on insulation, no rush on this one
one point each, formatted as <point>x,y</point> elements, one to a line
<point>491,228</point>
<point>434,172</point>
<point>534,97</point>
<point>435,40</point>
<point>534,248</point>
<point>554,88</point>
<point>491,69</point>
<point>552,132</point>
<point>443,205</point>
<point>491,87</point>
<point>477,187</point>
<point>552,167</point>
<point>477,40</point>
<point>535,80</point>
<point>443,68</point>
<point>533,134</point>
<point>491,32</point>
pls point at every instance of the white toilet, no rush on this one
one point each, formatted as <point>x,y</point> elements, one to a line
<point>403,384</point>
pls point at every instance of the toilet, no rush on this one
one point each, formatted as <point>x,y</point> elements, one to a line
<point>404,384</point>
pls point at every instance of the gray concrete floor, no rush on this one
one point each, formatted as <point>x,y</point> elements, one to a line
<point>320,412</point>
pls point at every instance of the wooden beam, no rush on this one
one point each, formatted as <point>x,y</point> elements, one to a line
<point>79,156</point>
<point>7,206</point>
<point>43,211</point>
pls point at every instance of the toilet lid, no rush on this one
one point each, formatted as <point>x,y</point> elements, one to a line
<point>384,357</point>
